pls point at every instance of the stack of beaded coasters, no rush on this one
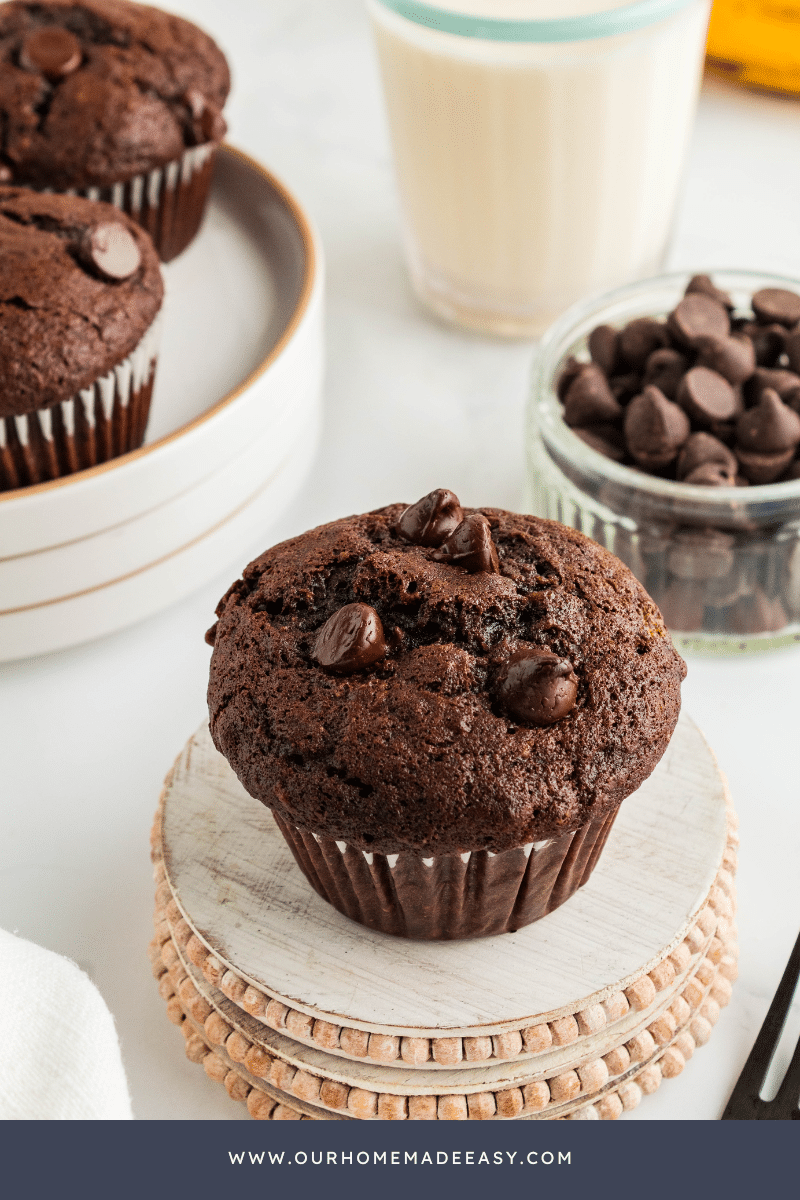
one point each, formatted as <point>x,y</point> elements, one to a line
<point>305,1015</point>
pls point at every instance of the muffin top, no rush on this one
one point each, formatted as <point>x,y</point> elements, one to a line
<point>94,92</point>
<point>417,728</point>
<point>80,284</point>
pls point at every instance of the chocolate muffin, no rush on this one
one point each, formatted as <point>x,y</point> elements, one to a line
<point>443,709</point>
<point>117,102</point>
<point>80,294</point>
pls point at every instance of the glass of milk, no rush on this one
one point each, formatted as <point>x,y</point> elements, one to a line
<point>538,145</point>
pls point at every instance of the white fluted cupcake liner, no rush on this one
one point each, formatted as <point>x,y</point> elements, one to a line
<point>442,897</point>
<point>168,202</point>
<point>102,421</point>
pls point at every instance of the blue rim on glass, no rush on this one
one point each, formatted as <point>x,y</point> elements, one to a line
<point>555,29</point>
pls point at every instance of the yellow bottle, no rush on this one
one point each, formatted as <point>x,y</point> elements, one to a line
<point>756,42</point>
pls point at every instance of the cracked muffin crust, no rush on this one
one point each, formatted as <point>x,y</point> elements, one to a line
<point>137,89</point>
<point>416,752</point>
<point>63,324</point>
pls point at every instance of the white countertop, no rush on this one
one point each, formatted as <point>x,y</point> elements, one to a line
<point>87,735</point>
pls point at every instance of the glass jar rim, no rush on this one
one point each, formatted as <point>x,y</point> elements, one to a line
<point>546,406</point>
<point>606,23</point>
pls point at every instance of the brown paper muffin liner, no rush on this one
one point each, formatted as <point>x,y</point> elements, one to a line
<point>475,894</point>
<point>168,201</point>
<point>104,420</point>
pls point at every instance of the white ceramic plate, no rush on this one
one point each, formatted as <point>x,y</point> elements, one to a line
<point>232,432</point>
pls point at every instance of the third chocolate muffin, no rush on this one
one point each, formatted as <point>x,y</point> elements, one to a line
<point>116,101</point>
<point>443,709</point>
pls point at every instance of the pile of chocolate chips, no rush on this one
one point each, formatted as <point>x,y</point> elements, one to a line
<point>704,397</point>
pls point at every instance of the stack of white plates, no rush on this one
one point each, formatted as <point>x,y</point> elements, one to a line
<point>232,433</point>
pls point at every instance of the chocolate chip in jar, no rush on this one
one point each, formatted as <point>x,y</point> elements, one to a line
<point>734,357</point>
<point>784,382</point>
<point>758,468</point>
<point>792,347</point>
<point>769,428</point>
<point>767,437</point>
<point>705,286</point>
<point>570,370</point>
<point>701,554</point>
<point>776,305</point>
<point>757,614</point>
<point>589,400</point>
<point>769,341</point>
<point>639,339</point>
<point>603,344</point>
<point>664,369</point>
<point>702,449</point>
<point>711,474</point>
<point>605,439</point>
<point>655,428</point>
<point>707,398</point>
<point>698,316</point>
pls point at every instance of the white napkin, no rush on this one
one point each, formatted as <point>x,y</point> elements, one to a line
<point>59,1053</point>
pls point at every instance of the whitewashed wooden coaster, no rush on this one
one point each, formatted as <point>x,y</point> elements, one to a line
<point>217,898</point>
<point>234,881</point>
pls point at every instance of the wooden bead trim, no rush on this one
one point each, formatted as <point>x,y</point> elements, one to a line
<point>635,1027</point>
<point>523,1043</point>
<point>632,1070</point>
<point>222,1065</point>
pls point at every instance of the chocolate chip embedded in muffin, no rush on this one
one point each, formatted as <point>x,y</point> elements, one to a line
<point>470,546</point>
<point>537,687</point>
<point>54,52</point>
<point>432,519</point>
<point>415,751</point>
<point>110,249</point>
<point>351,639</point>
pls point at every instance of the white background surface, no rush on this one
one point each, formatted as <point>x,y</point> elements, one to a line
<point>87,735</point>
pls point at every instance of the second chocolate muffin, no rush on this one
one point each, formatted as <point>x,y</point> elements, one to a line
<point>443,709</point>
<point>80,300</point>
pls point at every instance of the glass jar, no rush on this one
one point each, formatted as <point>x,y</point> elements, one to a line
<point>538,146</point>
<point>723,564</point>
